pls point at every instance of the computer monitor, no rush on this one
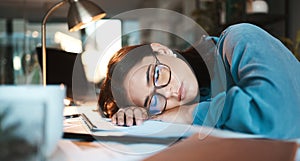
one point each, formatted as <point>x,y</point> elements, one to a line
<point>60,68</point>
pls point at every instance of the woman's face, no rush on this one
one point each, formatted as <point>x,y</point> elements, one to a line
<point>181,89</point>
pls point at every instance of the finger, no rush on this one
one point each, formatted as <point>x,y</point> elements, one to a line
<point>120,117</point>
<point>114,119</point>
<point>140,115</point>
<point>129,117</point>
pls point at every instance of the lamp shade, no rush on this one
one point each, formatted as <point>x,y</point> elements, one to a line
<point>82,12</point>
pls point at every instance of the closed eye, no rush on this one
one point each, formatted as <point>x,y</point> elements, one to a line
<point>148,82</point>
<point>156,74</point>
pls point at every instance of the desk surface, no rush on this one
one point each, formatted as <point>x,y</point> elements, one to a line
<point>72,150</point>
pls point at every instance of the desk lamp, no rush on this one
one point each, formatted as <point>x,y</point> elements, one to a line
<point>80,14</point>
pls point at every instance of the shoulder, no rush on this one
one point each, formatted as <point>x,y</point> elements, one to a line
<point>243,28</point>
<point>245,33</point>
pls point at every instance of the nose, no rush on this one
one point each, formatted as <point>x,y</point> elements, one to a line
<point>171,90</point>
<point>168,91</point>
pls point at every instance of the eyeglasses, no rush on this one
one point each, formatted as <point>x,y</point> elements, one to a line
<point>160,75</point>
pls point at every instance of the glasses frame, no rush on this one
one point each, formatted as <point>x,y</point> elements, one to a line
<point>158,63</point>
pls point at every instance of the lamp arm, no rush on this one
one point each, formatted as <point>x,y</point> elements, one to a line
<point>57,5</point>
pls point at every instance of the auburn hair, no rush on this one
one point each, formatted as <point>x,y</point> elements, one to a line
<point>106,101</point>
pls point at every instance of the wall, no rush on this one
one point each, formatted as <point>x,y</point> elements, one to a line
<point>294,20</point>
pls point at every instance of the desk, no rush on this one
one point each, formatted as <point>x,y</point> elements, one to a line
<point>70,150</point>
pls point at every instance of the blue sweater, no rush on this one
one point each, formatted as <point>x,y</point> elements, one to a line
<point>262,94</point>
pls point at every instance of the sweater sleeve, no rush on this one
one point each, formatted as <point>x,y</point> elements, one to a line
<point>263,91</point>
<point>263,84</point>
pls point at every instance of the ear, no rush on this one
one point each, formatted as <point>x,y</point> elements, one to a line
<point>161,49</point>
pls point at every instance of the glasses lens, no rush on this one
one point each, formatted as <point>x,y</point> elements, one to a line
<point>157,104</point>
<point>161,75</point>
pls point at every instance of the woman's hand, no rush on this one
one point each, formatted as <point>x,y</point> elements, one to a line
<point>130,116</point>
<point>137,115</point>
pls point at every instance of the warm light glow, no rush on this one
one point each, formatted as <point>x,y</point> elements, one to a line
<point>68,43</point>
<point>17,63</point>
<point>86,23</point>
<point>35,34</point>
<point>67,102</point>
<point>87,20</point>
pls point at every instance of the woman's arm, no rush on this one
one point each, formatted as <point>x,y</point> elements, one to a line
<point>263,84</point>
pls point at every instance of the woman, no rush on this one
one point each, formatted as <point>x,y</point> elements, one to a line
<point>262,86</point>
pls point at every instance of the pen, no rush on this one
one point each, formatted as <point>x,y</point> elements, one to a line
<point>87,121</point>
<point>71,116</point>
